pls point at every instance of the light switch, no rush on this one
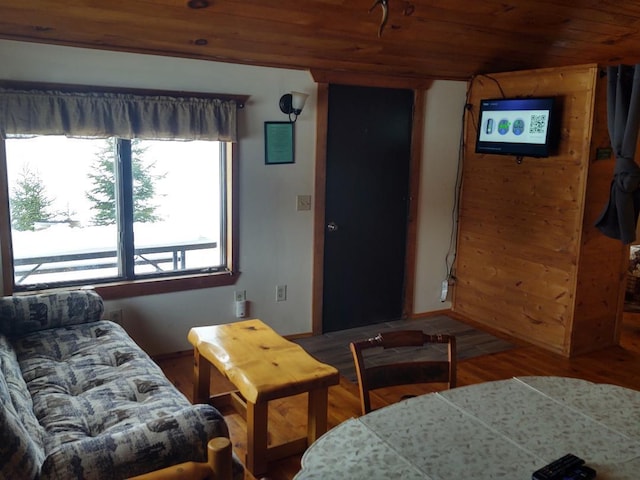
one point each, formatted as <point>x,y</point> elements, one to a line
<point>303,202</point>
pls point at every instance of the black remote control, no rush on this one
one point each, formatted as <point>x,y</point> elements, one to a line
<point>556,469</point>
<point>581,473</point>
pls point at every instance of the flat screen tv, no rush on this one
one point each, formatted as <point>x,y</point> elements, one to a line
<point>523,127</point>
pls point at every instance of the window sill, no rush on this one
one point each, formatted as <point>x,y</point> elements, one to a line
<point>154,286</point>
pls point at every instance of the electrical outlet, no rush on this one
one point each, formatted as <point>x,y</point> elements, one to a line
<point>115,316</point>
<point>240,295</point>
<point>445,290</point>
<point>281,293</point>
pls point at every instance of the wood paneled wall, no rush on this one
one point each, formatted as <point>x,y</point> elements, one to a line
<point>529,262</point>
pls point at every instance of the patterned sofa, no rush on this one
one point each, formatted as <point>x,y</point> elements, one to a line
<point>80,400</point>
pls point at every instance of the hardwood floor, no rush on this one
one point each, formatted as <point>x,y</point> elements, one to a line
<point>618,365</point>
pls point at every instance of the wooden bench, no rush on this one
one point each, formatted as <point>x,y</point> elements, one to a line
<point>263,366</point>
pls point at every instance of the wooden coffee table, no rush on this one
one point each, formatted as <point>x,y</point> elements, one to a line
<point>263,366</point>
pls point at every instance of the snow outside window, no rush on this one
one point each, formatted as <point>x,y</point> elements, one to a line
<point>91,211</point>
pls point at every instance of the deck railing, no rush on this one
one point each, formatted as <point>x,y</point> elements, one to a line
<point>102,259</point>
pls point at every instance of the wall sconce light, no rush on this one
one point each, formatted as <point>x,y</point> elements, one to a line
<point>292,104</point>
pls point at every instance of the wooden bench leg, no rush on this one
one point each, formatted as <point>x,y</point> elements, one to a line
<point>201,378</point>
<point>317,414</point>
<point>257,437</point>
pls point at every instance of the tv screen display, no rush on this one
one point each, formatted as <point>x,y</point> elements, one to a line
<point>516,126</point>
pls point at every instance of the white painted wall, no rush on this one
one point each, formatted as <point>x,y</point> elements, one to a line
<point>275,240</point>
<point>445,102</point>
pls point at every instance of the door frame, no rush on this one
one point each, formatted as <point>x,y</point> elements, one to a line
<point>323,79</point>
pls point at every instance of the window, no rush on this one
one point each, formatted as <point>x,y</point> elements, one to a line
<point>127,215</point>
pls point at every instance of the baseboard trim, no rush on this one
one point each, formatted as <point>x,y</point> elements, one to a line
<point>433,313</point>
<point>172,355</point>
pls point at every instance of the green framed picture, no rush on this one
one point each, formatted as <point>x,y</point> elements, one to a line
<point>278,143</point>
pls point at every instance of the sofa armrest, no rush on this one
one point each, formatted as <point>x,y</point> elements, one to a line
<point>138,448</point>
<point>22,314</point>
<point>217,467</point>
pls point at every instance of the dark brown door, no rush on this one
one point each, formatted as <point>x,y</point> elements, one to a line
<point>367,189</point>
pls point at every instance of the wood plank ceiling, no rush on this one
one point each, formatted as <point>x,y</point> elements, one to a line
<point>452,39</point>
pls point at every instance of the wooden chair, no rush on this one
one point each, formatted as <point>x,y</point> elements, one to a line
<point>371,377</point>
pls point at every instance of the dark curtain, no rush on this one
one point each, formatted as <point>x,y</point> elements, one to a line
<point>619,218</point>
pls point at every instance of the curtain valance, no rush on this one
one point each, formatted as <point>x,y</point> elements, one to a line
<point>81,114</point>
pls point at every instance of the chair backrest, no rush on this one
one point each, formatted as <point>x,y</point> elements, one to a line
<point>415,370</point>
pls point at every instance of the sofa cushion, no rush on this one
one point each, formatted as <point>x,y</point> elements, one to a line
<point>21,448</point>
<point>22,314</point>
<point>180,437</point>
<point>106,408</point>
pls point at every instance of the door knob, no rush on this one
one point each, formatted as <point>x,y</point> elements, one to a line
<point>332,227</point>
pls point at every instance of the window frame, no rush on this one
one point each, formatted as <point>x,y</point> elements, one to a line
<point>140,286</point>
<point>151,286</point>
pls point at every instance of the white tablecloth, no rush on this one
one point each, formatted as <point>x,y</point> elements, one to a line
<point>505,429</point>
